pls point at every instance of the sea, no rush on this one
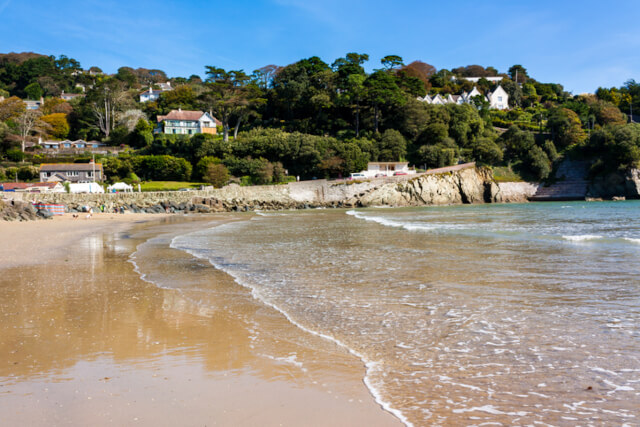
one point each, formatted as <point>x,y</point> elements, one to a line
<point>497,314</point>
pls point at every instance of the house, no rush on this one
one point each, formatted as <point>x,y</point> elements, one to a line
<point>72,172</point>
<point>154,94</point>
<point>32,187</point>
<point>477,79</point>
<point>498,99</point>
<point>180,122</point>
<point>388,168</point>
<point>33,105</point>
<point>71,96</point>
<point>75,145</point>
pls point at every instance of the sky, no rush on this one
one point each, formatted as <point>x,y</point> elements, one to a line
<point>582,44</point>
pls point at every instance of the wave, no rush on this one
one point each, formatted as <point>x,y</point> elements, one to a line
<point>409,226</point>
<point>371,366</point>
<point>629,239</point>
<point>582,237</point>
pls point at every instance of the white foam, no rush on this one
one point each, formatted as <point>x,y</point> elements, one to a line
<point>370,365</point>
<point>409,226</point>
<point>582,237</point>
<point>490,409</point>
<point>629,239</point>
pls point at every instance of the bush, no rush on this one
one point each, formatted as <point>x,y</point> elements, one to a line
<point>162,168</point>
<point>15,155</point>
<point>538,162</point>
<point>217,174</point>
<point>487,152</point>
<point>27,173</point>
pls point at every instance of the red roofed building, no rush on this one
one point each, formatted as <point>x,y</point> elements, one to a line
<point>185,122</point>
<point>33,187</point>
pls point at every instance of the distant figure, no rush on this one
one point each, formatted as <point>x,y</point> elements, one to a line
<point>75,216</point>
<point>88,215</point>
<point>298,178</point>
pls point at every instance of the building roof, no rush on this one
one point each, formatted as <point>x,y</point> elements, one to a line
<point>7,186</point>
<point>56,167</point>
<point>182,115</point>
<point>388,163</point>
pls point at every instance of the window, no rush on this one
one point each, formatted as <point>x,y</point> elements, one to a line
<point>499,99</point>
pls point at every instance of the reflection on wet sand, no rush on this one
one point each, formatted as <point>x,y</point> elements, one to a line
<point>84,340</point>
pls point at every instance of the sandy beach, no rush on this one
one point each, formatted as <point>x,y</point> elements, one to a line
<point>84,340</point>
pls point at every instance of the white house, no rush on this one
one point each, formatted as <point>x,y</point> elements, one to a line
<point>387,169</point>
<point>154,94</point>
<point>498,99</point>
<point>477,79</point>
<point>187,123</point>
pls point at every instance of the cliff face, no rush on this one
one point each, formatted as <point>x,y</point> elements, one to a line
<point>466,184</point>
<point>617,184</point>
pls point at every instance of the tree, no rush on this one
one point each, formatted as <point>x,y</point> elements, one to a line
<point>264,76</point>
<point>518,73</point>
<point>392,146</point>
<point>227,93</point>
<point>565,127</point>
<point>108,101</point>
<point>130,118</point>
<point>34,91</point>
<point>28,122</point>
<point>58,124</point>
<point>382,91</point>
<point>392,62</point>
<point>217,174</point>
<point>11,108</point>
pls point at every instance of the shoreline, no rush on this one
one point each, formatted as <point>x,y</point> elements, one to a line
<point>139,332</point>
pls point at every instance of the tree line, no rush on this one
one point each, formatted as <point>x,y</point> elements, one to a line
<point>313,119</point>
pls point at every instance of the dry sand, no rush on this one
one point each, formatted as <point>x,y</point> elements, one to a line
<point>85,341</point>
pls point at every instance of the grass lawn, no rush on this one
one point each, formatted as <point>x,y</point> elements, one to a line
<point>506,174</point>
<point>169,185</point>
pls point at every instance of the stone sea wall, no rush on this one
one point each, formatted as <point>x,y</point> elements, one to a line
<point>454,185</point>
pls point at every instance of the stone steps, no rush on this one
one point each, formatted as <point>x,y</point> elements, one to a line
<point>571,184</point>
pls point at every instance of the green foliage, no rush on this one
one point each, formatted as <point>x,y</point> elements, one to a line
<point>28,173</point>
<point>565,127</point>
<point>162,168</point>
<point>217,174</point>
<point>616,146</point>
<point>168,185</point>
<point>391,146</point>
<point>203,164</point>
<point>486,152</point>
<point>538,162</point>
<point>34,91</point>
<point>15,155</point>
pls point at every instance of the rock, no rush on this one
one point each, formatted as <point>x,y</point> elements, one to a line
<point>44,214</point>
<point>632,183</point>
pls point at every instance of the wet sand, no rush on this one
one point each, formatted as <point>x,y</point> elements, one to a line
<point>85,341</point>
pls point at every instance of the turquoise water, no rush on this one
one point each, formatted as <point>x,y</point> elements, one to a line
<point>512,314</point>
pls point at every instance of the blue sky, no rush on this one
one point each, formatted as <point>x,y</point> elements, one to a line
<point>580,44</point>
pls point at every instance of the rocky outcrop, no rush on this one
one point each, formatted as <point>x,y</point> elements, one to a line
<point>619,184</point>
<point>516,192</point>
<point>454,185</point>
<point>21,211</point>
<point>464,186</point>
